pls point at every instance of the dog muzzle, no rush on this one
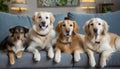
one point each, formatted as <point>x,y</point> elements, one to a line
<point>43,27</point>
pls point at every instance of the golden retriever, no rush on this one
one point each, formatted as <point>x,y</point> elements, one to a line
<point>68,40</point>
<point>41,34</point>
<point>98,39</point>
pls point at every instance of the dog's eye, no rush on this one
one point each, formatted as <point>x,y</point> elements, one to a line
<point>39,17</point>
<point>91,24</point>
<point>99,23</point>
<point>46,17</point>
<point>63,25</point>
<point>70,25</point>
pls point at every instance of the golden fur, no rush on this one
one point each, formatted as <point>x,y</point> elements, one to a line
<point>98,39</point>
<point>68,43</point>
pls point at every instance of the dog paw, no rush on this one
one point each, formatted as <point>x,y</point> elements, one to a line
<point>51,54</point>
<point>102,64</point>
<point>77,58</point>
<point>19,56</point>
<point>92,63</point>
<point>12,62</point>
<point>37,57</point>
<point>57,59</point>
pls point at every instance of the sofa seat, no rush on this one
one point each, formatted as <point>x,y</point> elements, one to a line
<point>66,61</point>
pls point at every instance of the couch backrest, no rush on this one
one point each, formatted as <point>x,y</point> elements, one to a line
<point>10,20</point>
<point>113,20</point>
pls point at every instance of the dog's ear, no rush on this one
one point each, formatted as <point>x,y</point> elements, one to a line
<point>34,16</point>
<point>57,29</point>
<point>12,29</point>
<point>76,28</point>
<point>86,28</point>
<point>52,19</point>
<point>26,29</point>
<point>105,25</point>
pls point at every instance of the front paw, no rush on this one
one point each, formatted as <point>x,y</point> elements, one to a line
<point>19,54</point>
<point>77,58</point>
<point>57,59</point>
<point>37,57</point>
<point>92,63</point>
<point>51,54</point>
<point>12,62</point>
<point>102,64</point>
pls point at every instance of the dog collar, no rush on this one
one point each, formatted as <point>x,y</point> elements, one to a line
<point>42,34</point>
<point>66,42</point>
<point>97,42</point>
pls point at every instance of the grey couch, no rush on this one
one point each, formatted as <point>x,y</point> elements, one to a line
<point>9,20</point>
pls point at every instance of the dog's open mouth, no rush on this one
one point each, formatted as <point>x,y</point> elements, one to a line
<point>43,27</point>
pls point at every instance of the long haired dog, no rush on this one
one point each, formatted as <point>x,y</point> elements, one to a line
<point>41,34</point>
<point>15,42</point>
<point>68,41</point>
<point>98,39</point>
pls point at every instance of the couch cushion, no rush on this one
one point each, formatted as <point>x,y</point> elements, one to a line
<point>58,17</point>
<point>27,61</point>
<point>113,61</point>
<point>10,20</point>
<point>80,19</point>
<point>112,18</point>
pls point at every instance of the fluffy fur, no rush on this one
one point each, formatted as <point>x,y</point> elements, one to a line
<point>68,41</point>
<point>15,42</point>
<point>98,39</point>
<point>41,34</point>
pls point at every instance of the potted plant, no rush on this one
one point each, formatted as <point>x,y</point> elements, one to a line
<point>4,6</point>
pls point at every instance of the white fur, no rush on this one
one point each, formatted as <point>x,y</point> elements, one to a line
<point>57,56</point>
<point>104,47</point>
<point>39,41</point>
<point>76,56</point>
<point>18,47</point>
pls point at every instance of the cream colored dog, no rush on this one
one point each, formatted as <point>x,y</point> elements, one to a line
<point>41,34</point>
<point>98,39</point>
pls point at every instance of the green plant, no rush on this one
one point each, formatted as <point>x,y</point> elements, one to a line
<point>3,5</point>
<point>107,9</point>
<point>62,2</point>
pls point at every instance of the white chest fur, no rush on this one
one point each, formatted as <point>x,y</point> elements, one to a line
<point>18,46</point>
<point>104,45</point>
<point>42,42</point>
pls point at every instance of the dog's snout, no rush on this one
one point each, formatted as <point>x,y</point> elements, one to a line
<point>95,30</point>
<point>67,31</point>
<point>43,23</point>
<point>18,37</point>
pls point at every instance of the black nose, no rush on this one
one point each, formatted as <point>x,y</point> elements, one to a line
<point>43,23</point>
<point>95,30</point>
<point>67,31</point>
<point>18,37</point>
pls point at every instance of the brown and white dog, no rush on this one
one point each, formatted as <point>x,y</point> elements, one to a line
<point>98,39</point>
<point>41,34</point>
<point>68,40</point>
<point>15,42</point>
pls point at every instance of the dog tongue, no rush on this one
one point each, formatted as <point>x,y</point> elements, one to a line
<point>43,28</point>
